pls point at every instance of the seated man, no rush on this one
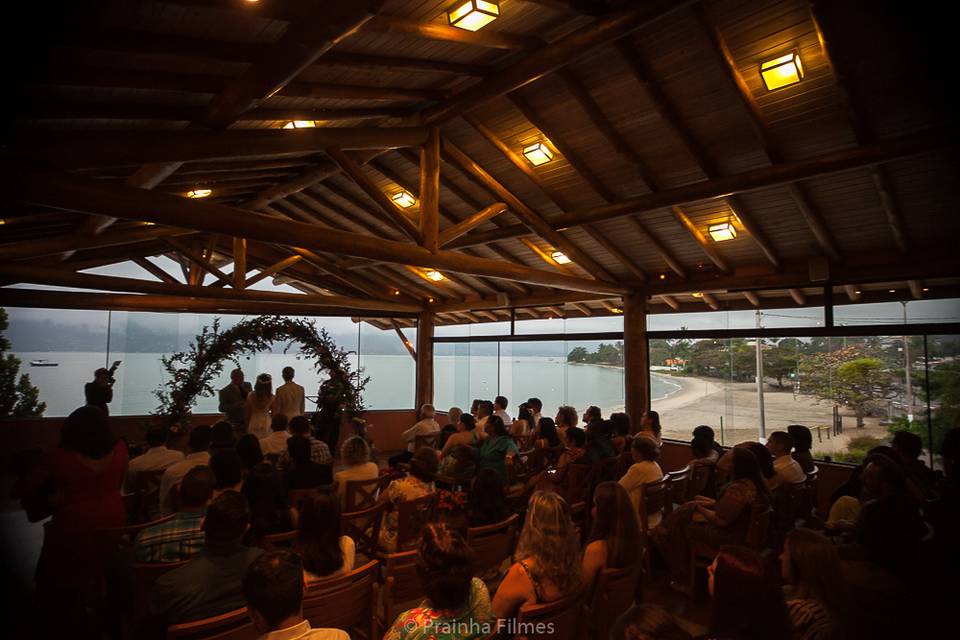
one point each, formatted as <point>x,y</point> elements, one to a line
<point>786,469</point>
<point>276,442</point>
<point>273,588</point>
<point>209,584</point>
<point>157,458</point>
<point>182,537</point>
<point>425,427</point>
<point>199,443</point>
<point>910,447</point>
<point>319,451</point>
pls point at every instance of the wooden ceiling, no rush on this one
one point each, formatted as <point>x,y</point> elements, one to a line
<point>655,112</point>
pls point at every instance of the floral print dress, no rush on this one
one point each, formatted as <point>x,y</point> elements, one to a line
<point>474,620</point>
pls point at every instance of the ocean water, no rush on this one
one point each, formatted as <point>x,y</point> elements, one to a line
<point>392,380</point>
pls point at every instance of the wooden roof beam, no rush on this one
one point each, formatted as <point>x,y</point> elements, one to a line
<point>446,33</point>
<point>916,289</point>
<point>322,170</point>
<point>450,234</point>
<point>74,241</point>
<point>708,249</point>
<point>155,271</point>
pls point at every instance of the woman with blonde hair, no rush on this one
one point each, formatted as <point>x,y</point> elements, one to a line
<point>355,455</point>
<point>816,591</point>
<point>259,406</point>
<point>547,566</point>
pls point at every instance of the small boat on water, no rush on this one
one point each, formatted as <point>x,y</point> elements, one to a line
<point>44,363</point>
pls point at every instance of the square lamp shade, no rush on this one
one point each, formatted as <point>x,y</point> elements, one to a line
<point>560,257</point>
<point>403,199</point>
<point>722,231</point>
<point>199,193</point>
<point>538,154</point>
<point>473,14</point>
<point>300,124</point>
<point>436,276</point>
<point>782,72</point>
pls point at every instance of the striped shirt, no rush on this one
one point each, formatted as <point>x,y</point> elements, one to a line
<point>319,453</point>
<point>172,541</point>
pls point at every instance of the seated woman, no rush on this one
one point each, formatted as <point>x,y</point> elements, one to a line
<point>705,448</point>
<point>302,472</point>
<point>761,455</point>
<point>547,436</point>
<point>269,510</point>
<point>802,444</point>
<point>816,590</point>
<point>613,538</point>
<point>419,483</point>
<point>714,522</point>
<point>325,552</point>
<point>547,566</point>
<point>355,455</point>
<point>459,457</point>
<point>494,449</point>
<point>457,606</point>
<point>523,424</point>
<point>453,417</point>
<point>576,440</point>
<point>621,431</point>
<point>747,601</point>
<point>650,425</point>
<point>464,436</point>
<point>643,470</point>
<point>488,501</point>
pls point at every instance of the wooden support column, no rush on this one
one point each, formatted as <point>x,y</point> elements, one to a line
<point>636,358</point>
<point>425,358</point>
<point>430,191</point>
<point>239,263</point>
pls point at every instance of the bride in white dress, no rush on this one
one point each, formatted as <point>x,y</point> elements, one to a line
<point>260,404</point>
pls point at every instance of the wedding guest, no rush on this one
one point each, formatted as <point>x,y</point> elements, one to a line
<point>650,425</point>
<point>802,444</point>
<point>99,393</point>
<point>566,417</point>
<point>705,436</point>
<point>600,441</point>
<point>458,458</point>
<point>156,458</point>
<point>648,622</point>
<point>547,566</point>
<point>325,551</point>
<point>488,500</point>
<point>425,426</point>
<point>419,483</point>
<point>816,590</point>
<point>248,448</point>
<point>910,447</point>
<point>621,430</point>
<point>210,583</point>
<point>500,404</point>
<point>227,469</point>
<point>547,436</point>
<point>319,451</point>
<point>484,412</point>
<point>455,599</point>
<point>233,397</point>
<point>273,590</point>
<point>576,440</point>
<point>355,455</point>
<point>494,449</point>
<point>198,442</point>
<point>84,473</point>
<point>260,404</point>
<point>290,396</point>
<point>300,471</point>
<point>475,407</point>
<point>222,436</point>
<point>613,537</point>
<point>644,470</point>
<point>182,537</point>
<point>523,425</point>
<point>591,415</point>
<point>536,408</point>
<point>276,443</point>
<point>787,471</point>
<point>747,601</point>
<point>270,512</point>
<point>464,436</point>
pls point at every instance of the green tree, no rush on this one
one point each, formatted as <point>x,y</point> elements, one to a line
<point>848,377</point>
<point>780,359</point>
<point>578,354</point>
<point>944,397</point>
<point>18,398</point>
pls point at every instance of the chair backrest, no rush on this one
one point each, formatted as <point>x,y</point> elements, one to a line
<point>111,539</point>
<point>614,593</point>
<point>401,583</point>
<point>604,470</point>
<point>558,620</point>
<point>492,544</point>
<point>296,497</point>
<point>700,479</point>
<point>431,440</point>
<point>345,602</point>
<point>143,575</point>
<point>575,482</point>
<point>678,487</point>
<point>519,466</point>
<point>412,517</point>
<point>233,625</point>
<point>146,486</point>
<point>283,540</point>
<point>361,494</point>
<point>653,499</point>
<point>758,529</point>
<point>364,527</point>
<point>624,462</point>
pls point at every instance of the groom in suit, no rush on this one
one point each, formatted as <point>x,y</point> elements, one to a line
<point>233,397</point>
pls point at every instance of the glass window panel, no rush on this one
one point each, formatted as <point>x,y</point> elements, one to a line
<point>585,325</point>
<point>490,329</point>
<point>915,311</point>
<point>743,319</point>
<point>452,331</point>
<point>388,364</point>
<point>533,369</point>
<point>546,325</point>
<point>594,375</point>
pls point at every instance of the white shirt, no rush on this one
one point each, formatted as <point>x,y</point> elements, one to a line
<point>786,471</point>
<point>153,459</point>
<point>290,400</point>
<point>503,415</point>
<point>425,427</point>
<point>174,474</point>
<point>276,442</point>
<point>638,474</point>
<point>304,631</point>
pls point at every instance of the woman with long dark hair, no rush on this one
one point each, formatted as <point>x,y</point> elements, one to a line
<point>493,450</point>
<point>747,601</point>
<point>325,551</point>
<point>615,533</point>
<point>650,425</point>
<point>714,522</point>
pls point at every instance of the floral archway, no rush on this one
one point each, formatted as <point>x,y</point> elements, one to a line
<point>190,373</point>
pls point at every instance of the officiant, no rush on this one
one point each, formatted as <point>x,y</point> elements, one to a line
<point>233,397</point>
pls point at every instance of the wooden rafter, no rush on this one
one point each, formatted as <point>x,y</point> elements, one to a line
<point>198,259</point>
<point>155,270</point>
<point>430,191</point>
<point>74,242</point>
<point>275,268</point>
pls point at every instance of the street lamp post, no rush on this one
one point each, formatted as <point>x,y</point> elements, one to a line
<point>763,425</point>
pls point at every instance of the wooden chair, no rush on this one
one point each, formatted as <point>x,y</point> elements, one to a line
<point>345,602</point>
<point>492,544</point>
<point>402,587</point>
<point>233,625</point>
<point>702,481</point>
<point>574,487</point>
<point>295,497</point>
<point>361,494</point>
<point>787,507</point>
<point>520,468</point>
<point>560,620</point>
<point>431,440</point>
<point>614,592</point>
<point>145,490</point>
<point>412,517</point>
<point>283,540</point>
<point>678,488</point>
<point>364,527</point>
<point>654,497</point>
<point>112,539</point>
<point>758,531</point>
